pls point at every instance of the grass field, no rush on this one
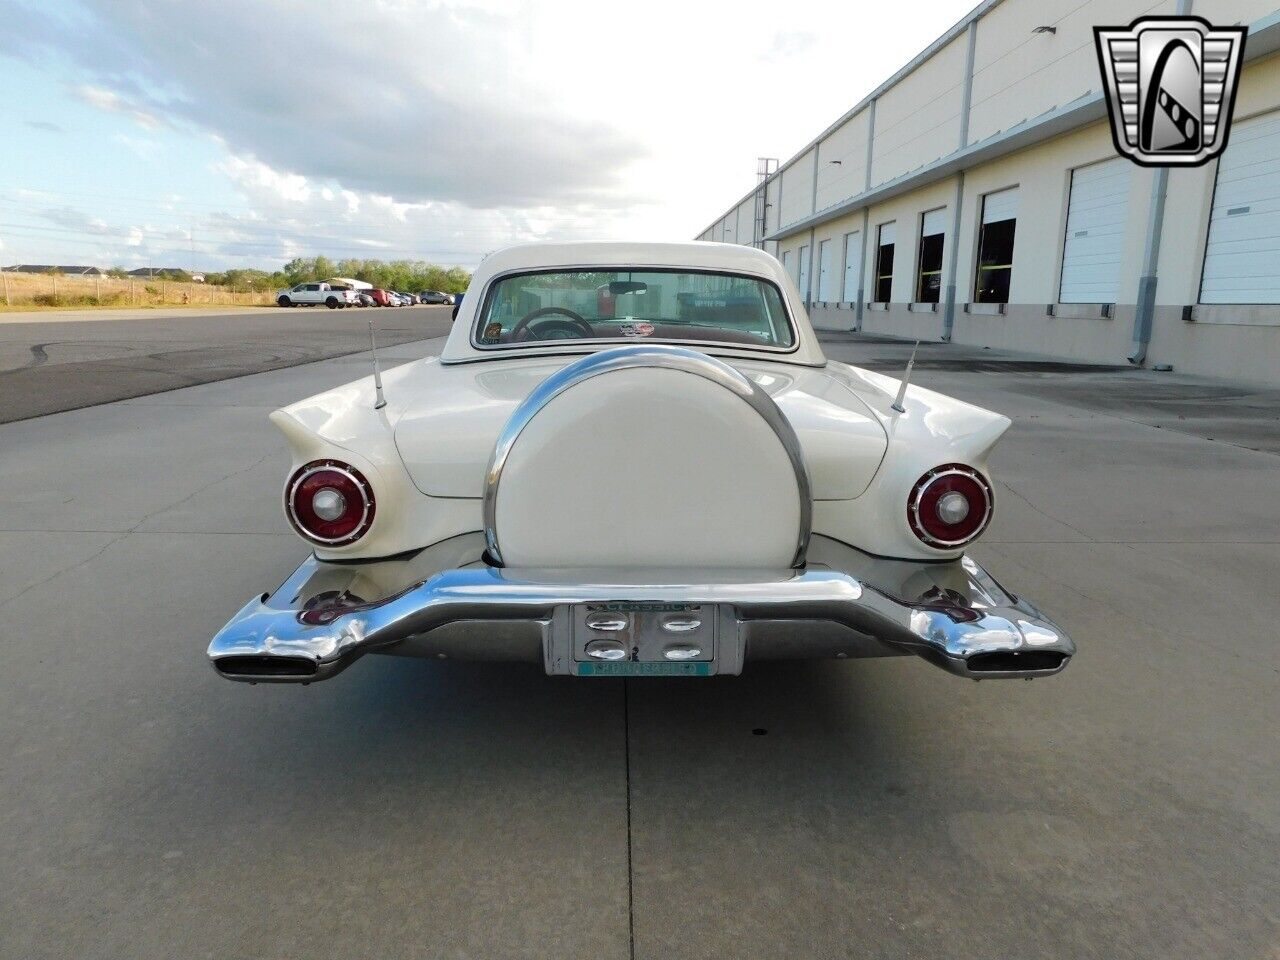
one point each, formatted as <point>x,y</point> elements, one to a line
<point>35,291</point>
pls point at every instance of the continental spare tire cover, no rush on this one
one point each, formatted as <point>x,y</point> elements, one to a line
<point>647,457</point>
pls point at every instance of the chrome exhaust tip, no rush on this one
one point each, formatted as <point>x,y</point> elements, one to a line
<point>267,669</point>
<point>1022,662</point>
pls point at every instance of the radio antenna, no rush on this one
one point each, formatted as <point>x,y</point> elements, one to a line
<point>380,400</point>
<point>906,379</point>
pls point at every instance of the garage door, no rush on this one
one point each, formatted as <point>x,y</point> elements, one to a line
<point>1242,260</point>
<point>852,264</point>
<point>1096,219</point>
<point>826,273</point>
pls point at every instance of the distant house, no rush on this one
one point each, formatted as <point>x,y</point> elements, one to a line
<point>67,271</point>
<point>158,273</point>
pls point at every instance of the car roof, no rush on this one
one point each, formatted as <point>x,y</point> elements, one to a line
<point>695,255</point>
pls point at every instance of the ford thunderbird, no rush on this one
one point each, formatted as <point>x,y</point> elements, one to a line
<point>635,460</point>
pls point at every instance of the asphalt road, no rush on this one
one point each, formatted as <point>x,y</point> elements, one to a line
<point>1128,808</point>
<point>51,363</point>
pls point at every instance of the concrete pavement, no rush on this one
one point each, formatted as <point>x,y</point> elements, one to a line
<point>1128,808</point>
<point>79,358</point>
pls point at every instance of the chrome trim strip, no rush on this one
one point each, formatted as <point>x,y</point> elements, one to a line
<point>946,628</point>
<point>660,356</point>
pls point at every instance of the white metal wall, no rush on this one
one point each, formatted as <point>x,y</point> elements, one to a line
<point>918,119</point>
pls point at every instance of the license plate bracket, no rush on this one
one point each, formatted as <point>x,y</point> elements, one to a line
<point>643,638</point>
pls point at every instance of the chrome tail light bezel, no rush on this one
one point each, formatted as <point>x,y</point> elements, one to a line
<point>941,474</point>
<point>357,481</point>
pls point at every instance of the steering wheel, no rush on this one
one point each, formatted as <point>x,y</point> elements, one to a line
<point>528,328</point>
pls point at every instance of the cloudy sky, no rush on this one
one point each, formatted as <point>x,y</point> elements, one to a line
<point>246,132</point>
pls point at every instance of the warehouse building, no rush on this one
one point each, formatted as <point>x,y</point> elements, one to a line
<point>977,197</point>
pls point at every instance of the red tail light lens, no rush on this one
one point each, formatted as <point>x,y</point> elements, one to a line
<point>329,502</point>
<point>950,505</point>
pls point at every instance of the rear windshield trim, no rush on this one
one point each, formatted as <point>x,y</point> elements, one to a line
<point>534,345</point>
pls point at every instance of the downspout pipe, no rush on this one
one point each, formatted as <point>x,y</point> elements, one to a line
<point>1146,308</point>
<point>866,215</point>
<point>1147,282</point>
<point>966,103</point>
<point>862,267</point>
<point>953,263</point>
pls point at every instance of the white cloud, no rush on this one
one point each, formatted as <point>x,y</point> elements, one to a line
<point>112,102</point>
<point>142,148</point>
<point>457,126</point>
<point>289,215</point>
<point>77,220</point>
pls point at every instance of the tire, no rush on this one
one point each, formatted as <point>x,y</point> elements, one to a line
<point>284,302</point>
<point>331,303</point>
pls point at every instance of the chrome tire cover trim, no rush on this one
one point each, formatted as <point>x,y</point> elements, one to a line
<point>631,357</point>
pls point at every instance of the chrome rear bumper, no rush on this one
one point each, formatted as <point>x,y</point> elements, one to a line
<point>953,615</point>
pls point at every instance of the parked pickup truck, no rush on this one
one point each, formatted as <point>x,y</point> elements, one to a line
<point>312,294</point>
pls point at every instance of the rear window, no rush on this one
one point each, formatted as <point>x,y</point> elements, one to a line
<point>660,305</point>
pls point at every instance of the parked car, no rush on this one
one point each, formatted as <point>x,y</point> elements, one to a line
<point>637,494</point>
<point>434,296</point>
<point>313,294</point>
<point>407,299</point>
<point>380,297</point>
<point>365,299</point>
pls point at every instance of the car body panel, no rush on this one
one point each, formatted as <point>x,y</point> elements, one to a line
<point>448,430</point>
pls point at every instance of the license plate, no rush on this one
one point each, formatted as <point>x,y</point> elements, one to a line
<point>640,668</point>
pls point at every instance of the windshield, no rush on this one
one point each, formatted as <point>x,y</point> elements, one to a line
<point>649,304</point>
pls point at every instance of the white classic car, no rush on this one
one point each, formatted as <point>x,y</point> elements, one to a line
<point>634,459</point>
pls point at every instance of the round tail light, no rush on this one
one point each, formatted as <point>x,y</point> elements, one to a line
<point>329,502</point>
<point>949,506</point>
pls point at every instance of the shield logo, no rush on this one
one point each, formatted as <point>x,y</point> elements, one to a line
<point>1171,87</point>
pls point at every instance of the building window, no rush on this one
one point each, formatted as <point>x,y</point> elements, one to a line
<point>929,276</point>
<point>884,262</point>
<point>995,247</point>
<point>803,273</point>
<point>786,263</point>
<point>852,264</point>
